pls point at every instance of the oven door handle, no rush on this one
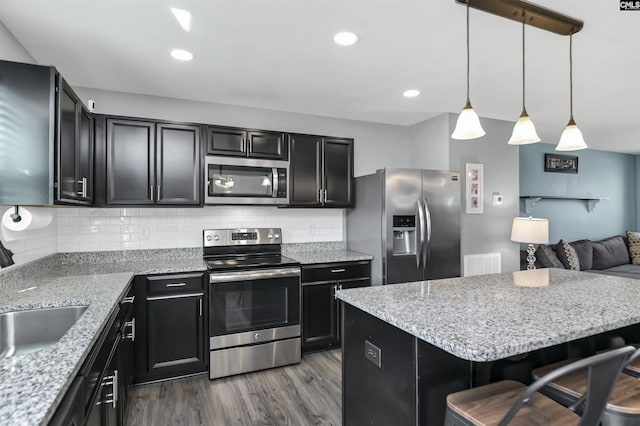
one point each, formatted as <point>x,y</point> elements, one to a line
<point>224,277</point>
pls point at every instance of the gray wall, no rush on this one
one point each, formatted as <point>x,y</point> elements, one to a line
<point>430,143</point>
<point>490,232</point>
<point>376,145</point>
<point>11,49</point>
<point>600,174</point>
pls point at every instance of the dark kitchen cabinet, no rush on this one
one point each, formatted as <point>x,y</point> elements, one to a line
<point>321,171</point>
<point>74,149</point>
<point>171,321</point>
<point>229,141</point>
<point>320,309</point>
<point>152,163</point>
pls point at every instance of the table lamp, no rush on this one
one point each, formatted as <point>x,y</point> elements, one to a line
<point>530,230</point>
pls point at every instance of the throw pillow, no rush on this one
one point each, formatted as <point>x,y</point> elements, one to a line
<point>634,246</point>
<point>548,257</point>
<point>584,250</point>
<point>610,252</point>
<point>568,256</point>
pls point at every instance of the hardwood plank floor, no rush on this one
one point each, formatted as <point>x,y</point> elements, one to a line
<point>309,393</point>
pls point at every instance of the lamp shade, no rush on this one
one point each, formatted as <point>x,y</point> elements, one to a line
<point>468,125</point>
<point>571,139</point>
<point>524,132</point>
<point>530,230</point>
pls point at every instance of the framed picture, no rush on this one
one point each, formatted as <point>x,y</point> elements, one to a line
<point>557,163</point>
<point>474,188</point>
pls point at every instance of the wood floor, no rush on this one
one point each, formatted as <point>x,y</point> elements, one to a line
<point>309,393</point>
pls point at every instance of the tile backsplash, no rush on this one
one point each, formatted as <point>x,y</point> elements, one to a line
<point>100,229</point>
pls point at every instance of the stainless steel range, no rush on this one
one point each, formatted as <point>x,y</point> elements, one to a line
<point>254,301</point>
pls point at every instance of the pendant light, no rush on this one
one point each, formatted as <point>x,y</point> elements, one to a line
<point>571,138</point>
<point>524,132</point>
<point>468,125</point>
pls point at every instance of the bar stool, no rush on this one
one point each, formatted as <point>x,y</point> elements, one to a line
<point>623,407</point>
<point>509,402</point>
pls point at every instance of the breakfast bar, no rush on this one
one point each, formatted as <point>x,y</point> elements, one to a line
<point>406,346</point>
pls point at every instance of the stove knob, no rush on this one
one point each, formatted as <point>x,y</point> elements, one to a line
<point>269,236</point>
<point>276,236</point>
<point>216,237</point>
<point>256,336</point>
<point>208,237</point>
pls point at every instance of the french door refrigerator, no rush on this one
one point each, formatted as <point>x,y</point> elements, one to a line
<point>409,221</point>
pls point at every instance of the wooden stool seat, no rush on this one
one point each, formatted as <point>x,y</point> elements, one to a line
<point>487,405</point>
<point>625,398</point>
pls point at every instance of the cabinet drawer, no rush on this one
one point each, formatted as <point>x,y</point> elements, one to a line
<point>179,283</point>
<point>335,271</point>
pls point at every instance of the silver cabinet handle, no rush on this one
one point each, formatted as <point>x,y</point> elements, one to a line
<point>338,270</point>
<point>158,194</point>
<point>176,285</point>
<point>129,299</point>
<point>325,196</point>
<point>243,145</point>
<point>320,196</point>
<point>132,324</point>
<point>151,192</point>
<point>113,382</point>
<point>335,289</point>
<point>83,192</point>
<point>200,306</point>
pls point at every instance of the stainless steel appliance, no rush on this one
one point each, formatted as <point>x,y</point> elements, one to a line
<point>232,180</point>
<point>409,221</point>
<point>254,301</point>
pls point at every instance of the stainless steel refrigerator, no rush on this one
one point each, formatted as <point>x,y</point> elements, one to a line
<point>409,221</point>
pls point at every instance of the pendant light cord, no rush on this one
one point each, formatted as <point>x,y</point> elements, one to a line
<point>523,71</point>
<point>571,76</point>
<point>468,102</point>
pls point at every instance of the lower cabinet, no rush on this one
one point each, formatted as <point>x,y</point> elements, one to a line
<point>320,309</point>
<point>171,322</point>
<point>98,395</point>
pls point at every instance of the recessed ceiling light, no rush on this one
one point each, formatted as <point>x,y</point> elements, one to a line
<point>181,55</point>
<point>345,38</point>
<point>183,17</point>
<point>412,93</point>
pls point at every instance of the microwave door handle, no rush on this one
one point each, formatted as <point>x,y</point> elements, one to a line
<point>274,182</point>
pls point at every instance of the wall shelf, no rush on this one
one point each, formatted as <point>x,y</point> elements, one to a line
<point>531,200</point>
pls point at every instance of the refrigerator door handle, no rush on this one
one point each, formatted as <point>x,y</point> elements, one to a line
<point>427,248</point>
<point>420,244</point>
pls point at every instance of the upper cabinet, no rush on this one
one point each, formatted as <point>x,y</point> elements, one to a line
<point>74,148</point>
<point>152,163</point>
<point>230,141</point>
<point>46,138</point>
<point>321,171</point>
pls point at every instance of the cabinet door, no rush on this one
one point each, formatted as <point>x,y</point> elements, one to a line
<point>305,170</point>
<point>178,164</point>
<point>67,131</point>
<point>338,172</point>
<point>85,156</point>
<point>267,145</point>
<point>175,335</point>
<point>226,141</point>
<point>319,316</point>
<point>130,162</point>
<point>344,285</point>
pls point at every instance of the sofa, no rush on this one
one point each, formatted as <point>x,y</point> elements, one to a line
<point>610,256</point>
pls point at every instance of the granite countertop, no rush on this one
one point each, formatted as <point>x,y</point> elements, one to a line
<point>328,256</point>
<point>488,317</point>
<point>32,385</point>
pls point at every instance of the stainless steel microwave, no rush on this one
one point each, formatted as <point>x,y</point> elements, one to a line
<point>232,180</point>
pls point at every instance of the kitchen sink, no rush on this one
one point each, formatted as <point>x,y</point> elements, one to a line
<point>32,330</point>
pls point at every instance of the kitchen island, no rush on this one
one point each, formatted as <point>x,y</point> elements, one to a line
<point>406,346</point>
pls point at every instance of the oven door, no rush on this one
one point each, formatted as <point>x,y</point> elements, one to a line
<point>253,306</point>
<point>245,181</point>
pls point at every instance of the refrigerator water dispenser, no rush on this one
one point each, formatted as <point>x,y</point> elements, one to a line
<point>404,235</point>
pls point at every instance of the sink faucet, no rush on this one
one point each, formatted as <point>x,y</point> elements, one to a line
<point>6,256</point>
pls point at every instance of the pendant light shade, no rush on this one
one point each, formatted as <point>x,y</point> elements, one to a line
<point>571,138</point>
<point>468,125</point>
<point>524,132</point>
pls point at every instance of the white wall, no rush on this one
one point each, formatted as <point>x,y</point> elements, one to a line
<point>376,145</point>
<point>93,229</point>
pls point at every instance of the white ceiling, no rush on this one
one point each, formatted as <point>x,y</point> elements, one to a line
<point>279,54</point>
